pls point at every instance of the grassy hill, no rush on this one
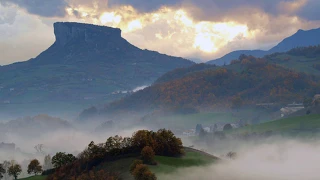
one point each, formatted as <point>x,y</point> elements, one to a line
<point>165,164</point>
<point>308,123</point>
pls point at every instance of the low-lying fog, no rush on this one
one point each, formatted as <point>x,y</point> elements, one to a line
<point>277,160</point>
<point>273,158</point>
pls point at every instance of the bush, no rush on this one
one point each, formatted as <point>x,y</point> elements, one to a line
<point>147,155</point>
<point>142,172</point>
<point>134,164</point>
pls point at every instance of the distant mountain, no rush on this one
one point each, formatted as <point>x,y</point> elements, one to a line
<point>86,63</point>
<point>299,39</point>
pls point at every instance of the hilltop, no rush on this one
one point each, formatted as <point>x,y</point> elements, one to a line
<point>87,64</point>
<point>301,38</point>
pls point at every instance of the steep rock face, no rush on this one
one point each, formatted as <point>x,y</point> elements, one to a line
<point>66,32</point>
<point>76,42</point>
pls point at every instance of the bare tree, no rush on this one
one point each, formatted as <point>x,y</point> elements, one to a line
<point>39,148</point>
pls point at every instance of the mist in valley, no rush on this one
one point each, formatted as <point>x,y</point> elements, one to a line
<point>276,159</point>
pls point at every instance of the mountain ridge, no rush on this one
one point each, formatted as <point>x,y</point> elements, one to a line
<point>301,38</point>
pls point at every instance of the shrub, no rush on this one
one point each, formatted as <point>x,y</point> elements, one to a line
<point>142,172</point>
<point>134,164</point>
<point>148,154</point>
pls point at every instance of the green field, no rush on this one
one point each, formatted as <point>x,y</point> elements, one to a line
<point>35,178</point>
<point>165,164</point>
<point>308,124</point>
<point>168,165</point>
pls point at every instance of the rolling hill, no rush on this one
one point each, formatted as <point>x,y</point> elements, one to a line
<point>247,82</point>
<point>306,124</point>
<point>87,64</point>
<point>300,39</point>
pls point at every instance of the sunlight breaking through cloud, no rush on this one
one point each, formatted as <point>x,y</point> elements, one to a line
<point>168,23</point>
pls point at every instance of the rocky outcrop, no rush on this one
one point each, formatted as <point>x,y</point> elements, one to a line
<point>66,32</point>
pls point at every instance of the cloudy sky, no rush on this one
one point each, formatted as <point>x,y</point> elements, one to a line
<point>203,29</point>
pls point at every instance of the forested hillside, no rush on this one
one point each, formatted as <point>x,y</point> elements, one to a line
<point>255,80</point>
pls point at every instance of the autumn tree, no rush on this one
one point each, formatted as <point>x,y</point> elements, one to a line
<point>34,167</point>
<point>142,172</point>
<point>134,164</point>
<point>14,170</point>
<point>143,138</point>
<point>167,144</point>
<point>2,171</point>
<point>61,159</point>
<point>147,155</point>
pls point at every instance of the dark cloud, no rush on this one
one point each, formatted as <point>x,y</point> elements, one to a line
<point>311,11</point>
<point>143,5</point>
<point>204,9</point>
<point>45,8</point>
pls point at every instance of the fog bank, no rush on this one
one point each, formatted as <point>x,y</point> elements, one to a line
<point>280,160</point>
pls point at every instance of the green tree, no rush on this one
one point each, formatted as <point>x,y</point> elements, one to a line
<point>62,158</point>
<point>14,170</point>
<point>147,155</point>
<point>2,171</point>
<point>34,167</point>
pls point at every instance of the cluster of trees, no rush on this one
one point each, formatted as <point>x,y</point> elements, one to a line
<point>257,82</point>
<point>10,169</point>
<point>14,169</point>
<point>310,51</point>
<point>143,142</point>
